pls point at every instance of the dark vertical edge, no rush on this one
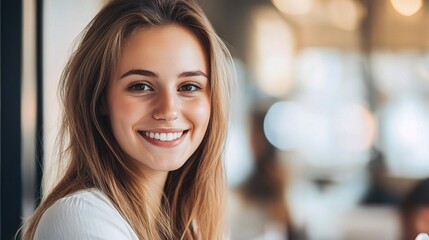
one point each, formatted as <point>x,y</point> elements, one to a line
<point>1,75</point>
<point>11,67</point>
<point>39,123</point>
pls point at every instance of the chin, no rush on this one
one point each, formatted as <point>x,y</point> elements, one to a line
<point>170,166</point>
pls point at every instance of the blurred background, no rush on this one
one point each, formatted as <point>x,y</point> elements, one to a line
<point>329,133</point>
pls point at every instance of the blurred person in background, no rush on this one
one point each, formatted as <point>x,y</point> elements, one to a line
<point>377,193</point>
<point>263,192</point>
<point>145,109</point>
<point>415,210</point>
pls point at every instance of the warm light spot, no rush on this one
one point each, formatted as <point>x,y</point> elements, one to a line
<point>272,48</point>
<point>406,7</point>
<point>294,7</point>
<point>344,14</point>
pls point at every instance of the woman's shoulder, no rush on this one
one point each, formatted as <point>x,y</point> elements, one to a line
<point>86,214</point>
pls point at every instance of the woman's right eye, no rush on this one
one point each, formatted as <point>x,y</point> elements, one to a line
<point>139,87</point>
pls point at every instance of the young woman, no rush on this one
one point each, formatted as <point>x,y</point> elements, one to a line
<point>145,99</point>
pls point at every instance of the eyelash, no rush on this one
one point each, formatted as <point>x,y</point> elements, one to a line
<point>136,87</point>
<point>143,87</point>
<point>195,87</point>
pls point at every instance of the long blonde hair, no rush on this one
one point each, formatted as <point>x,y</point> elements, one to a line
<point>193,201</point>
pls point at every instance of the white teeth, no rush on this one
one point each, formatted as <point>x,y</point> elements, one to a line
<point>169,136</point>
<point>166,137</point>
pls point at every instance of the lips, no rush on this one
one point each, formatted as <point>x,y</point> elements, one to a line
<point>163,136</point>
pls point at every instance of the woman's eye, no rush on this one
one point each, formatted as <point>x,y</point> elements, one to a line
<point>189,88</point>
<point>139,87</point>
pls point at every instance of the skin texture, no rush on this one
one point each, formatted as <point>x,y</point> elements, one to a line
<point>161,87</point>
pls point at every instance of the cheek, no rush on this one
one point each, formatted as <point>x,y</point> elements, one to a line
<point>122,112</point>
<point>201,113</point>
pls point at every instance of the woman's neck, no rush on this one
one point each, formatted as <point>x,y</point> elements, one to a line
<point>154,184</point>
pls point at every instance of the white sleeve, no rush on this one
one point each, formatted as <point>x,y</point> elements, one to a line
<point>82,218</point>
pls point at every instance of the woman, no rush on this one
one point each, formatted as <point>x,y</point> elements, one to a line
<point>145,99</point>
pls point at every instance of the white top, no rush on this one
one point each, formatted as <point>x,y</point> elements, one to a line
<point>87,214</point>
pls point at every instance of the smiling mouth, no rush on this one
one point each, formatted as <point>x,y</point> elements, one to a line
<point>163,136</point>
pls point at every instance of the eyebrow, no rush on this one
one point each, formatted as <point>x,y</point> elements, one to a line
<point>148,73</point>
<point>192,74</point>
<point>139,72</point>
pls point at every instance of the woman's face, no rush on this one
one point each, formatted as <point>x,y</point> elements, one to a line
<point>159,101</point>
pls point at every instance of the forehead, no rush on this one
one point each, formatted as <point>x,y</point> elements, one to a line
<point>171,45</point>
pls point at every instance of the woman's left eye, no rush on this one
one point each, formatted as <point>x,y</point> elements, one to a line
<point>189,88</point>
<point>139,87</point>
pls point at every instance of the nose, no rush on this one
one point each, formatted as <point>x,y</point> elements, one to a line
<point>166,107</point>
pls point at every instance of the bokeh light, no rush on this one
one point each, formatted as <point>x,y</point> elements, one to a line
<point>272,52</point>
<point>344,14</point>
<point>394,73</point>
<point>281,125</point>
<point>239,162</point>
<point>407,7</point>
<point>318,72</point>
<point>405,136</point>
<point>294,7</point>
<point>330,138</point>
<point>423,68</point>
<point>355,128</point>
